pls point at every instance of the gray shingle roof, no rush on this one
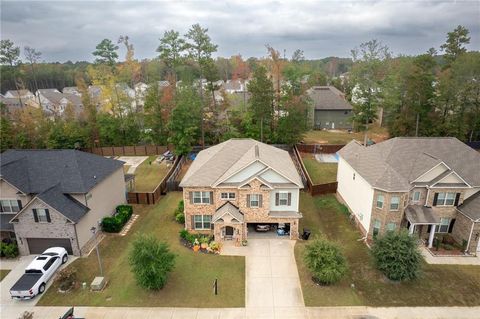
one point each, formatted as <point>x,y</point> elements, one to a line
<point>63,203</point>
<point>228,208</point>
<point>393,164</point>
<point>471,207</point>
<point>34,171</point>
<point>328,98</point>
<point>225,159</point>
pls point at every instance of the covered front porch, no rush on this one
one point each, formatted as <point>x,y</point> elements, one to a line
<point>229,224</point>
<point>422,220</point>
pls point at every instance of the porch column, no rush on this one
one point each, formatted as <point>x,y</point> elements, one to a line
<point>432,234</point>
<point>411,229</point>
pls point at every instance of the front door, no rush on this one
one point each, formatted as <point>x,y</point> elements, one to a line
<point>229,231</point>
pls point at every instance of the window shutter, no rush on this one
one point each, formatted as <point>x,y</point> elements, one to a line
<point>190,194</point>
<point>429,228</point>
<point>289,199</point>
<point>260,200</point>
<point>48,215</point>
<point>452,222</point>
<point>435,198</point>
<point>35,216</point>
<point>277,199</point>
<point>457,199</point>
<point>248,200</point>
<point>211,198</point>
<point>212,226</point>
<point>192,226</point>
<point>19,204</point>
<point>1,208</point>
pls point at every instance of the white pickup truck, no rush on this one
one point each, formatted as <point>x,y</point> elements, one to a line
<point>38,272</point>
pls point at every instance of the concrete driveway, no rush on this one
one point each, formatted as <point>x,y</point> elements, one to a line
<point>17,269</point>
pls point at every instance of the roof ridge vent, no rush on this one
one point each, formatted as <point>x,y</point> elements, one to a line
<point>257,151</point>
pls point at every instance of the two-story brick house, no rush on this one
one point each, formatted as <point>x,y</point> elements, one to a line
<point>240,183</point>
<point>54,197</point>
<point>428,185</point>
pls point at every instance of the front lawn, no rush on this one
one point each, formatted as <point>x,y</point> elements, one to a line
<point>440,285</point>
<point>375,133</point>
<point>149,174</point>
<point>189,285</point>
<point>3,273</point>
<point>320,173</point>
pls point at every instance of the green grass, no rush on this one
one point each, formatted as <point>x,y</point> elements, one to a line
<point>3,273</point>
<point>342,136</point>
<point>149,174</point>
<point>439,285</point>
<point>320,173</point>
<point>189,285</point>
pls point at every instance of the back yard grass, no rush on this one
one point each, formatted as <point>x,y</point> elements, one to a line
<point>189,285</point>
<point>149,174</point>
<point>320,173</point>
<point>439,285</point>
<point>375,133</point>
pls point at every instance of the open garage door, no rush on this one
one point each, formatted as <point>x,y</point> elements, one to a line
<point>39,245</point>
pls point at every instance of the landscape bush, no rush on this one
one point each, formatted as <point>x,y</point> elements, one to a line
<point>115,223</point>
<point>8,249</point>
<point>325,261</point>
<point>151,261</point>
<point>178,213</point>
<point>396,254</point>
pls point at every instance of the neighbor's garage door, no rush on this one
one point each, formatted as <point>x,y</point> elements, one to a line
<point>39,245</point>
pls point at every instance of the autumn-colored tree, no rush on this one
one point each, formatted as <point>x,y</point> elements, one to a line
<point>10,55</point>
<point>33,56</point>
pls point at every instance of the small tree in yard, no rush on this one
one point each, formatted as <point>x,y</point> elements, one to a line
<point>325,261</point>
<point>397,256</point>
<point>151,261</point>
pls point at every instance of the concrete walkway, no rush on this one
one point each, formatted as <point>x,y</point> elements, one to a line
<point>450,260</point>
<point>132,161</point>
<point>9,312</point>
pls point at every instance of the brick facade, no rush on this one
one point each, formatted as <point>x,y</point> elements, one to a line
<point>251,214</point>
<point>384,214</point>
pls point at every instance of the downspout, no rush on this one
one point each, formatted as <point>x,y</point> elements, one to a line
<point>76,239</point>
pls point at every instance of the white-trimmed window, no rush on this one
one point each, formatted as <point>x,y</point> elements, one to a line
<point>394,202</point>
<point>444,225</point>
<point>42,215</point>
<point>227,196</point>
<point>445,199</point>
<point>9,206</point>
<point>391,226</point>
<point>201,197</point>
<point>416,197</point>
<point>254,200</point>
<point>380,200</point>
<point>376,227</point>
<point>283,199</point>
<point>202,221</point>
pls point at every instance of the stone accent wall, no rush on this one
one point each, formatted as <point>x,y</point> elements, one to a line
<point>384,214</point>
<point>59,227</point>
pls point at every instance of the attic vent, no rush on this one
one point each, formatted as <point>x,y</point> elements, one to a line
<point>257,152</point>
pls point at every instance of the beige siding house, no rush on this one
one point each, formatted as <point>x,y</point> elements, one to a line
<point>431,186</point>
<point>54,197</point>
<point>233,187</point>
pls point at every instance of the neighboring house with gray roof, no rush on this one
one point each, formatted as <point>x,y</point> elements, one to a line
<point>23,94</point>
<point>234,186</point>
<point>430,186</point>
<point>54,197</point>
<point>331,109</point>
<point>55,102</point>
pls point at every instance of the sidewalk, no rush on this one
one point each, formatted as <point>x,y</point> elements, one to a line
<point>13,312</point>
<point>450,260</point>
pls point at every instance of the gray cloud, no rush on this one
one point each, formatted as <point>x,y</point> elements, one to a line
<point>69,30</point>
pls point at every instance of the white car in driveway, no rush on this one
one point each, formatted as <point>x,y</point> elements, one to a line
<point>38,272</point>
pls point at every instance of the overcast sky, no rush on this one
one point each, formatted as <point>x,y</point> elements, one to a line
<point>70,30</point>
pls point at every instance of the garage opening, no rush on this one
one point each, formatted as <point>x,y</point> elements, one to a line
<point>39,245</point>
<point>268,230</point>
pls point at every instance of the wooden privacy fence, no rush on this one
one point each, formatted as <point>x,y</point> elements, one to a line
<point>314,189</point>
<point>150,198</point>
<point>319,148</point>
<point>173,183</point>
<point>136,150</point>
